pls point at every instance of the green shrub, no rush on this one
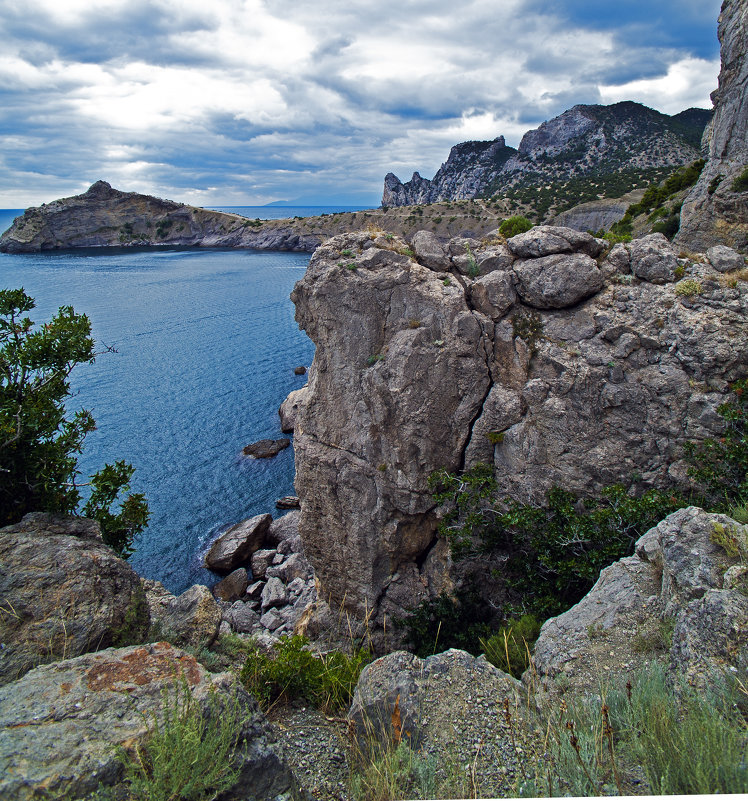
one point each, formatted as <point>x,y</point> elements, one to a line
<point>189,753</point>
<point>720,466</point>
<point>740,184</point>
<point>688,287</point>
<point>514,225</point>
<point>554,553</point>
<point>509,649</point>
<point>714,183</point>
<point>293,671</point>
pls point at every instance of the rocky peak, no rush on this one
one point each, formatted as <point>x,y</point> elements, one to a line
<point>541,355</point>
<point>581,141</point>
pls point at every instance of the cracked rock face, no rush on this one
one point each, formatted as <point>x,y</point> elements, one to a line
<point>418,369</point>
<point>714,213</point>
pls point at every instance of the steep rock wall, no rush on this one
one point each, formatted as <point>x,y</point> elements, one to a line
<point>714,212</point>
<point>584,369</point>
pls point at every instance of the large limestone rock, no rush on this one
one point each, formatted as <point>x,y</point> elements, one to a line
<point>63,593</point>
<point>289,409</point>
<point>715,213</point>
<point>671,599</point>
<point>448,706</point>
<point>235,547</point>
<point>60,725</point>
<point>416,371</point>
<point>190,619</point>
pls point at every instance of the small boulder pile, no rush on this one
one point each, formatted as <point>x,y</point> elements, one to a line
<point>268,582</point>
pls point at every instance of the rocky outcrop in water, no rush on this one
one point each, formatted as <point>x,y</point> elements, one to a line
<point>106,217</point>
<point>555,362</point>
<point>716,211</point>
<point>63,593</point>
<point>61,724</point>
<point>585,140</point>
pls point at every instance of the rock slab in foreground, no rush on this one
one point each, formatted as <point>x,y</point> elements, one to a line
<point>674,583</point>
<point>63,593</point>
<point>449,706</point>
<point>60,723</point>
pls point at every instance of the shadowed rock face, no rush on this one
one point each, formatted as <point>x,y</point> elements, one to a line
<point>713,213</point>
<point>415,367</point>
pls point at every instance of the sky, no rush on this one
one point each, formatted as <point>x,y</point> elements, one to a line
<point>246,102</point>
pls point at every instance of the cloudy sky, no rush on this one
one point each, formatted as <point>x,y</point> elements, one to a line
<point>250,101</point>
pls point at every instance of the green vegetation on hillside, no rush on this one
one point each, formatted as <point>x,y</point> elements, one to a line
<point>39,440</point>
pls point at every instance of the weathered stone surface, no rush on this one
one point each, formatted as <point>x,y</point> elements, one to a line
<point>61,723</point>
<point>546,240</point>
<point>724,259</point>
<point>233,586</point>
<point>284,528</point>
<point>674,581</point>
<point>424,702</point>
<point>261,560</point>
<point>400,370</point>
<point>493,294</point>
<point>288,502</point>
<point>714,213</point>
<point>266,448</point>
<point>557,281</point>
<point>274,593</point>
<point>243,618</point>
<point>234,548</point>
<point>62,593</point>
<point>429,251</point>
<point>289,409</point>
<point>192,618</point>
<point>411,375</point>
<point>653,259</point>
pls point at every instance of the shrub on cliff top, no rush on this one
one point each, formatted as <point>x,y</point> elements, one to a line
<point>39,441</point>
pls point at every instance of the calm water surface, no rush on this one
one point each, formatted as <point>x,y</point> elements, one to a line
<point>206,345</point>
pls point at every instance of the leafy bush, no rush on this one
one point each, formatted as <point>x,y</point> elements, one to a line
<point>39,443</point>
<point>740,184</point>
<point>189,754</point>
<point>293,671</point>
<point>555,552</point>
<point>509,649</point>
<point>720,466</point>
<point>514,225</point>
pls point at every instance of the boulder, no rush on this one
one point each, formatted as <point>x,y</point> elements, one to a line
<point>192,618</point>
<point>261,560</point>
<point>673,583</point>
<point>493,294</point>
<point>61,724</point>
<point>274,594</point>
<point>429,251</point>
<point>242,617</point>
<point>547,240</point>
<point>234,548</point>
<point>288,502</point>
<point>448,706</point>
<point>725,259</point>
<point>557,281</point>
<point>63,593</point>
<point>300,370</point>
<point>266,448</point>
<point>289,409</point>
<point>284,528</point>
<point>233,586</point>
<point>653,259</point>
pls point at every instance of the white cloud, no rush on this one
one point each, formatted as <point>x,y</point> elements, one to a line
<point>272,98</point>
<point>686,84</point>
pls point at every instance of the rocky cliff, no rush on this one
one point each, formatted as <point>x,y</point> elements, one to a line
<point>555,361</point>
<point>716,211</point>
<point>585,141</point>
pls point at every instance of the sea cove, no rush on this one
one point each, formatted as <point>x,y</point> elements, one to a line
<point>206,346</point>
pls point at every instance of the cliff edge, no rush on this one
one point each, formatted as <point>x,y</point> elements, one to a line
<point>716,211</point>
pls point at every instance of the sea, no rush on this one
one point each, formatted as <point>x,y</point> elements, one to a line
<point>205,345</point>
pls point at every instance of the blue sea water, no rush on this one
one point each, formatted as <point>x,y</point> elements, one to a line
<point>206,347</point>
